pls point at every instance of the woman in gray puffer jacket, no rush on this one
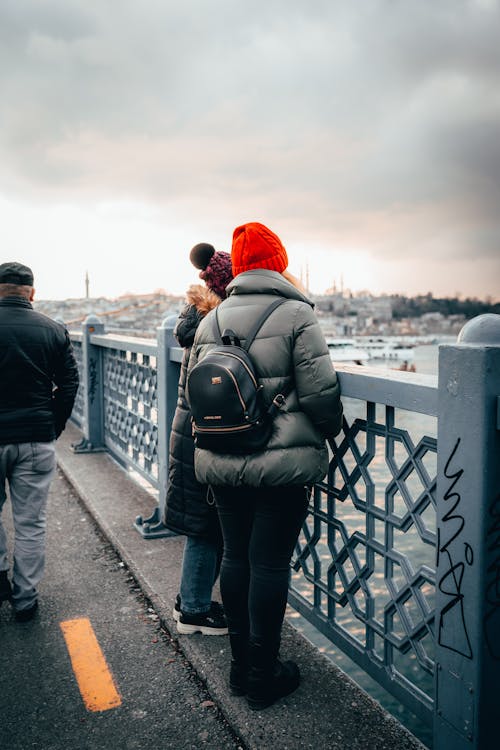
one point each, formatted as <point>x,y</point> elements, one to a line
<point>262,498</point>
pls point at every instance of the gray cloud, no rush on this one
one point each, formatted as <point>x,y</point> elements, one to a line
<point>373,123</point>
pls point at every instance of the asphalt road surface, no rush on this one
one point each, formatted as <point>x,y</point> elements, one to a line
<point>137,691</point>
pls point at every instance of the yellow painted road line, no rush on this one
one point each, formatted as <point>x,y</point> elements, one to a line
<point>94,679</point>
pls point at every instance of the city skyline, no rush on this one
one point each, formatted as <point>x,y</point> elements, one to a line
<point>365,136</point>
<point>338,289</point>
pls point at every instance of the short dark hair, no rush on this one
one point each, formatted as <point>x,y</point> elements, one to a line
<point>15,290</point>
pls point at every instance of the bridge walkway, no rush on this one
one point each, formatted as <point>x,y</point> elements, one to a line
<point>137,689</point>
<point>327,711</point>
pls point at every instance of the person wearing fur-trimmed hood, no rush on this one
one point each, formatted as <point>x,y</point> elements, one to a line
<point>190,509</point>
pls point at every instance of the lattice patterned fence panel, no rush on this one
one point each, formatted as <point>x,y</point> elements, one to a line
<point>131,409</point>
<point>364,563</point>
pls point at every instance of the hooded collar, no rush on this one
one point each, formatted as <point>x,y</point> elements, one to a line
<point>262,281</point>
<point>200,300</point>
<point>203,298</point>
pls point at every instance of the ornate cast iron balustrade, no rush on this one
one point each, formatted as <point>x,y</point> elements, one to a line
<point>364,564</point>
<point>130,408</point>
<point>130,414</point>
<point>416,608</point>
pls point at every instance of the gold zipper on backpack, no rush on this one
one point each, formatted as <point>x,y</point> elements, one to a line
<point>218,430</point>
<point>235,356</point>
<point>243,405</point>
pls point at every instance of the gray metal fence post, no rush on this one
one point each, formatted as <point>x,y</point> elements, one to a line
<point>93,408</point>
<point>468,556</point>
<point>167,381</point>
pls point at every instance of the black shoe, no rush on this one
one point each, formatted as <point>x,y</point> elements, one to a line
<point>238,674</point>
<point>212,622</point>
<point>176,612</point>
<point>264,689</point>
<point>5,588</point>
<point>25,615</point>
<point>238,677</point>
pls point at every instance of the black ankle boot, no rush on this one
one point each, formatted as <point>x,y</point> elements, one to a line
<point>269,679</point>
<point>5,588</point>
<point>239,664</point>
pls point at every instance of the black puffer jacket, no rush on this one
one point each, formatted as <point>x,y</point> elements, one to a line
<point>189,508</point>
<point>35,355</point>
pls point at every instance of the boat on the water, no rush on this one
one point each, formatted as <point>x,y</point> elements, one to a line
<point>347,350</point>
<point>360,351</point>
<point>385,349</point>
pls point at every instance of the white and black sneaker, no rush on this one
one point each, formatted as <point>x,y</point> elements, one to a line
<point>176,612</point>
<point>212,622</point>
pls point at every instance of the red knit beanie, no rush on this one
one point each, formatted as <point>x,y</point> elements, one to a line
<point>255,246</point>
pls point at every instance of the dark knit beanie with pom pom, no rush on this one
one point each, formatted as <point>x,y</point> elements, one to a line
<point>200,255</point>
<point>216,267</point>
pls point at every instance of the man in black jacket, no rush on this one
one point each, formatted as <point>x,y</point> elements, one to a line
<point>38,384</point>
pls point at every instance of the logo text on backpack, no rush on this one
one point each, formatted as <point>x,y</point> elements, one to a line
<point>217,380</point>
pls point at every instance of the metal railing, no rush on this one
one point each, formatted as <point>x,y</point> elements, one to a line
<point>397,563</point>
<point>365,558</point>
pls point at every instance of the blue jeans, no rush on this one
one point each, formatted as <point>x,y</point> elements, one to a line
<point>200,568</point>
<point>28,468</point>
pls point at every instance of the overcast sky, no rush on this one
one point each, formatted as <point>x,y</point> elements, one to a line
<point>365,134</point>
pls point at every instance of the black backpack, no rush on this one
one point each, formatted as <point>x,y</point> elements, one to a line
<point>228,412</point>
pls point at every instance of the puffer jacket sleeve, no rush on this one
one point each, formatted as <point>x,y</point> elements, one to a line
<point>186,325</point>
<point>316,381</point>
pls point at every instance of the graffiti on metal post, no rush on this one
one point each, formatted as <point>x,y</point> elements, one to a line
<point>492,616</point>
<point>452,626</point>
<point>92,379</point>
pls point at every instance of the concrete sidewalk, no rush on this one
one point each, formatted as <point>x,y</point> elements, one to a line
<point>327,711</point>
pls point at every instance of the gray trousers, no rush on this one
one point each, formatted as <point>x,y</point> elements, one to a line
<point>28,468</point>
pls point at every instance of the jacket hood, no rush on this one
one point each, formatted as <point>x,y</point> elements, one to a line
<point>202,298</point>
<point>261,281</point>
<point>199,302</point>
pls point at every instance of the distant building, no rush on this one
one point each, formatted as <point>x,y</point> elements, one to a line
<point>143,313</point>
<point>339,313</point>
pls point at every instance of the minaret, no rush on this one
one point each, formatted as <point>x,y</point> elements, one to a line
<point>86,284</point>
<point>307,276</point>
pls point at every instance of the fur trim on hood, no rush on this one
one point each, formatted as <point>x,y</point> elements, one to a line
<point>202,298</point>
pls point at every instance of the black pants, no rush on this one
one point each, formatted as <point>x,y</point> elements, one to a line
<point>260,526</point>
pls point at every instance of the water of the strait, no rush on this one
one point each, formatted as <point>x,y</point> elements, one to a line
<point>409,543</point>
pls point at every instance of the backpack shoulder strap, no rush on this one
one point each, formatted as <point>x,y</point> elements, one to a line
<point>216,328</point>
<point>255,328</point>
<point>260,321</point>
